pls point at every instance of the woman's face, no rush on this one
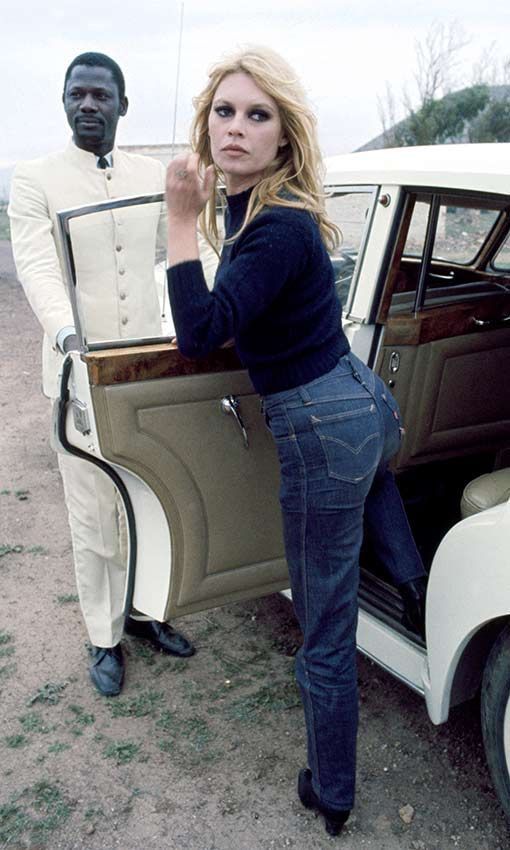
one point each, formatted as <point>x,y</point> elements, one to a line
<point>245,131</point>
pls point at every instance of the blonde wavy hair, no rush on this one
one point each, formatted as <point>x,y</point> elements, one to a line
<point>295,177</point>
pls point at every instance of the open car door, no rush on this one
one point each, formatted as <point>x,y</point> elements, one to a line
<point>184,441</point>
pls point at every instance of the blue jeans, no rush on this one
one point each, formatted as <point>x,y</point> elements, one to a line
<point>334,437</point>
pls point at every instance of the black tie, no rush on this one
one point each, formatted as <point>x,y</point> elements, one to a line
<point>102,162</point>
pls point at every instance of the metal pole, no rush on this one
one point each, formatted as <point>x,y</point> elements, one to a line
<point>177,78</point>
<point>176,101</point>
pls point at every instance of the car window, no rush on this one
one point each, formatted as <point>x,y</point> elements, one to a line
<point>351,211</point>
<point>443,256</point>
<point>501,261</point>
<point>119,251</point>
<point>460,232</point>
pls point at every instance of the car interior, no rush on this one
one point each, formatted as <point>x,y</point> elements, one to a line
<point>443,316</point>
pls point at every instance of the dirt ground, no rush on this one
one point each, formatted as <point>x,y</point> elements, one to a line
<point>194,755</point>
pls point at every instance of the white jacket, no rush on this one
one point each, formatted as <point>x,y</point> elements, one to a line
<point>114,252</point>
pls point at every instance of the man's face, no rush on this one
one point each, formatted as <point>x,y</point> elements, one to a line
<point>93,108</point>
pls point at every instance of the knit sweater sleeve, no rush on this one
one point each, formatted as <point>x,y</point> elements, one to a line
<point>271,250</point>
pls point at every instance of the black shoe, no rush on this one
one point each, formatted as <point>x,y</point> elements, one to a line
<point>413,595</point>
<point>334,818</point>
<point>107,669</point>
<point>161,635</point>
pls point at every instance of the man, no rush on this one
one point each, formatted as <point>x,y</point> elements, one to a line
<point>90,170</point>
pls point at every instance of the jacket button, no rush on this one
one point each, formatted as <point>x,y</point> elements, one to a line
<point>108,175</point>
<point>122,296</point>
<point>124,320</point>
<point>118,247</point>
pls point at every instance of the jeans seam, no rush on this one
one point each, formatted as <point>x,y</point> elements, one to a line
<point>304,579</point>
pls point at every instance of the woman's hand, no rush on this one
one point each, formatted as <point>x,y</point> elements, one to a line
<point>187,191</point>
<point>186,195</point>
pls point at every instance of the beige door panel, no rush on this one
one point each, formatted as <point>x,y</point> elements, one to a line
<point>452,394</point>
<point>219,498</point>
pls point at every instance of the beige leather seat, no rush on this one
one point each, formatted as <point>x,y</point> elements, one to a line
<point>485,492</point>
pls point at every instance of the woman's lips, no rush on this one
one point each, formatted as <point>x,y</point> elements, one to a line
<point>234,149</point>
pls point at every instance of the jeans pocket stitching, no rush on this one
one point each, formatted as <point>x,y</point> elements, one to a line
<point>354,451</point>
<point>343,417</point>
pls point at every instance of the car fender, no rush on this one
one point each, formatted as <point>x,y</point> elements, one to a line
<point>469,587</point>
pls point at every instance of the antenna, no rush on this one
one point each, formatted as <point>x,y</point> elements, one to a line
<point>172,147</point>
<point>177,73</point>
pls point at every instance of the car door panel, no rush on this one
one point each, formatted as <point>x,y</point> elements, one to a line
<point>219,498</point>
<point>450,391</point>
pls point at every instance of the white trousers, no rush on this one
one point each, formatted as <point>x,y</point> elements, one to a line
<point>99,538</point>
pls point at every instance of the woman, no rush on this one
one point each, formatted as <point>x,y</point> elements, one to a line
<point>334,423</point>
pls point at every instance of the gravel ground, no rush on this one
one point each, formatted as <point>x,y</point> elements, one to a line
<point>199,754</point>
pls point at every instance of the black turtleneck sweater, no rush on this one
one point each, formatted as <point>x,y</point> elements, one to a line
<point>273,293</point>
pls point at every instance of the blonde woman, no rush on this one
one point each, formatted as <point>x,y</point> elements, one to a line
<point>334,423</point>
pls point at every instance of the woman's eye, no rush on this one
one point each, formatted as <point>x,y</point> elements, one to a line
<point>223,111</point>
<point>259,115</point>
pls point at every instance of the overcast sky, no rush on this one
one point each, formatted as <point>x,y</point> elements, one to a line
<point>345,52</point>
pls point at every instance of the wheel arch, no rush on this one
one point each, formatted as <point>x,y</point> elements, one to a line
<point>468,673</point>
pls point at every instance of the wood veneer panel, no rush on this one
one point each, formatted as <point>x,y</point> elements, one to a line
<point>442,322</point>
<point>143,363</point>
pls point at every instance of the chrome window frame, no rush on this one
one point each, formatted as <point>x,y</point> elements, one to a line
<point>371,189</point>
<point>64,221</point>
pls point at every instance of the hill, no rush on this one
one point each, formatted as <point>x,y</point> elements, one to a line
<point>478,113</point>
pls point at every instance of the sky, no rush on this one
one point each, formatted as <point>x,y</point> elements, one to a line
<point>344,52</point>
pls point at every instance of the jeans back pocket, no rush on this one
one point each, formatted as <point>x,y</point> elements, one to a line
<point>350,441</point>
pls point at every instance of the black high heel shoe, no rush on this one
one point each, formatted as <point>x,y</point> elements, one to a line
<point>334,818</point>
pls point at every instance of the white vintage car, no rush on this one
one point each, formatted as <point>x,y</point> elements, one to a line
<point>424,274</point>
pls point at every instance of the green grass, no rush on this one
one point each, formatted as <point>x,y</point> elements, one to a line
<point>6,651</point>
<point>65,598</point>
<point>141,650</point>
<point>7,670</point>
<point>58,747</point>
<point>80,719</point>
<point>15,741</point>
<point>37,550</point>
<point>143,705</point>
<point>17,548</point>
<point>281,696</point>
<point>22,495</point>
<point>33,722</point>
<point>51,693</point>
<point>5,232</point>
<point>169,665</point>
<point>10,548</point>
<point>189,739</point>
<point>37,811</point>
<point>205,631</point>
<point>122,751</point>
<point>94,812</point>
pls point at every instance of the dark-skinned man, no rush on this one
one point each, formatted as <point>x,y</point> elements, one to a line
<point>90,170</point>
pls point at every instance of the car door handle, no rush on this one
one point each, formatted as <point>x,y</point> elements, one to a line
<point>490,323</point>
<point>230,405</point>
